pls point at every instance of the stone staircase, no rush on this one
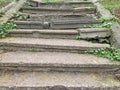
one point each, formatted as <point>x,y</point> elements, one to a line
<point>42,53</point>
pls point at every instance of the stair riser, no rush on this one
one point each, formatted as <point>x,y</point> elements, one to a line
<point>83,35</point>
<point>64,6</point>
<point>49,18</point>
<point>57,11</point>
<point>30,68</point>
<point>32,25</point>
<point>95,35</point>
<point>68,88</point>
<point>60,5</point>
<point>44,48</point>
<point>53,25</point>
<point>69,26</point>
<point>44,36</point>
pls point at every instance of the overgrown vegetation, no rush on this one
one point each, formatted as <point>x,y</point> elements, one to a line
<point>105,22</point>
<point>19,16</point>
<point>108,52</point>
<point>110,4</point>
<point>27,4</point>
<point>5,1</point>
<point>113,6</point>
<point>5,27</point>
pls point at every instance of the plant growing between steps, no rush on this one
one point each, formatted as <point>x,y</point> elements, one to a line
<point>78,37</point>
<point>27,4</point>
<point>108,52</point>
<point>5,27</point>
<point>19,16</point>
<point>105,22</point>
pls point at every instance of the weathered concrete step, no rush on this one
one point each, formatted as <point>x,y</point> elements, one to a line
<point>89,33</point>
<point>49,18</point>
<point>72,24</point>
<point>38,10</point>
<point>56,61</point>
<point>44,33</point>
<point>55,24</point>
<point>32,25</point>
<point>57,81</point>
<point>60,45</point>
<point>84,33</point>
<point>61,4</point>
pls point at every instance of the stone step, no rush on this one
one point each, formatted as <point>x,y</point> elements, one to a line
<point>44,33</point>
<point>57,81</point>
<point>61,4</point>
<point>49,18</point>
<point>42,11</point>
<point>72,24</point>
<point>56,61</point>
<point>31,25</point>
<point>55,24</point>
<point>84,33</point>
<point>94,33</point>
<point>52,45</point>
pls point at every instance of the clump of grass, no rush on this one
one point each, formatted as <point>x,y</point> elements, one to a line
<point>110,53</point>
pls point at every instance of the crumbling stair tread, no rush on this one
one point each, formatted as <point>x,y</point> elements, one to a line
<point>85,33</point>
<point>51,42</point>
<point>46,80</point>
<point>79,2</point>
<point>54,9</point>
<point>53,59</point>
<point>35,10</point>
<point>71,31</point>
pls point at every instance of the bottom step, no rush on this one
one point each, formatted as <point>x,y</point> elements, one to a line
<point>46,80</point>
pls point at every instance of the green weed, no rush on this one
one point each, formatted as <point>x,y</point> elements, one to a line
<point>78,37</point>
<point>110,53</point>
<point>105,22</point>
<point>5,27</point>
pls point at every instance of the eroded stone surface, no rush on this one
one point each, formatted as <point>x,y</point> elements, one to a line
<point>54,61</point>
<point>69,80</point>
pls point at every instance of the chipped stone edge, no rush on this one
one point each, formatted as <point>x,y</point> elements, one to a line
<point>15,8</point>
<point>115,40</point>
